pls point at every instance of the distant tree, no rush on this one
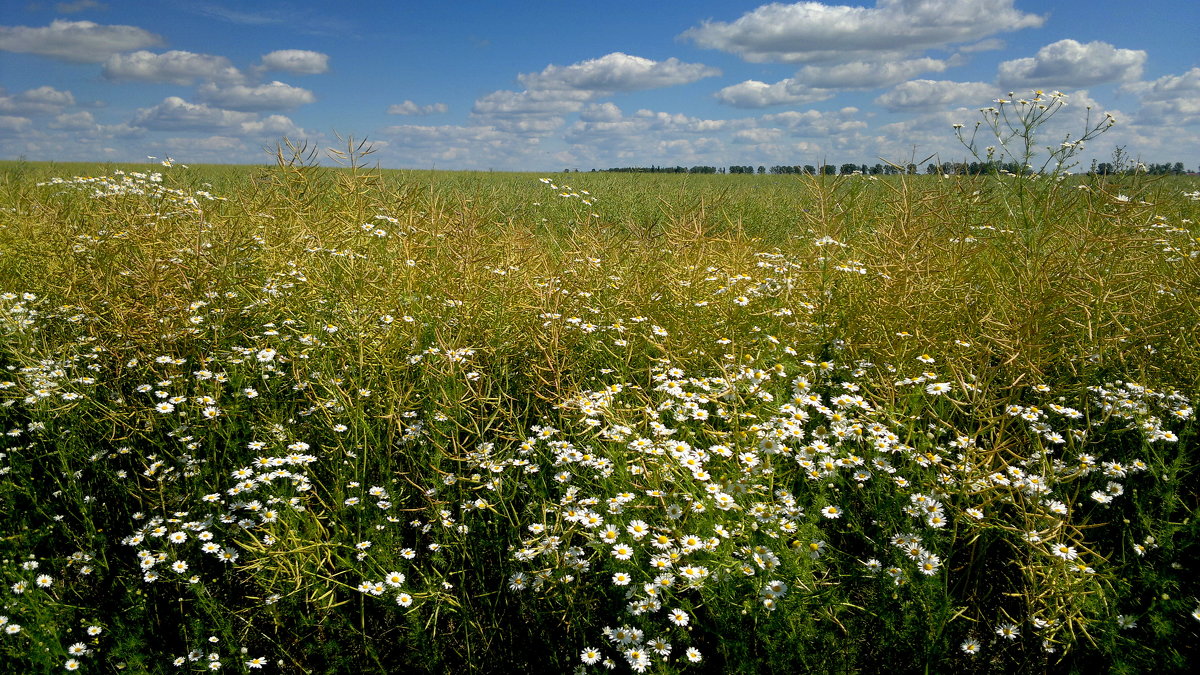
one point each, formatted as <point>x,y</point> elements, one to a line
<point>911,169</point>
<point>762,169</point>
<point>931,169</point>
<point>810,169</point>
<point>828,169</point>
<point>848,169</point>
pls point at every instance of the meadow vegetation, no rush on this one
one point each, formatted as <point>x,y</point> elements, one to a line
<point>308,419</point>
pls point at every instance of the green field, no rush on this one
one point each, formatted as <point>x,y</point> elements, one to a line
<point>350,420</point>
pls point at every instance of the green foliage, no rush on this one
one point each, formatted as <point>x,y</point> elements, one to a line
<point>352,420</point>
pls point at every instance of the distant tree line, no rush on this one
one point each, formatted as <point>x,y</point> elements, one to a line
<point>1163,169</point>
<point>947,168</point>
<point>666,169</point>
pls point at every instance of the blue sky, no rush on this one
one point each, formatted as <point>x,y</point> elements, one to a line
<point>551,85</point>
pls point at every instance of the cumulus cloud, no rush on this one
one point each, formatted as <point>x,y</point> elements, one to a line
<point>76,41</point>
<point>600,112</point>
<point>934,94</point>
<point>476,146</point>
<point>527,112</point>
<point>1068,63</point>
<point>272,126</point>
<point>13,124</point>
<point>175,67</point>
<point>815,123</point>
<point>561,90</point>
<point>80,121</point>
<point>757,136</point>
<point>1171,100</point>
<point>174,113</point>
<point>814,31</point>
<point>299,61</point>
<point>410,108</point>
<point>44,100</point>
<point>867,74</point>
<point>617,72</point>
<point>756,94</point>
<point>643,127</point>
<point>270,96</point>
<point>1167,87</point>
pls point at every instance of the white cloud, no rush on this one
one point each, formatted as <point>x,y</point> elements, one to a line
<point>175,113</point>
<point>270,96</point>
<point>80,121</point>
<point>643,128</point>
<point>1068,63</point>
<point>815,123</point>
<point>478,146</point>
<point>617,72</point>
<point>756,94</point>
<point>814,31</point>
<point>12,124</point>
<point>562,90</point>
<point>1167,87</point>
<point>44,100</point>
<point>867,74</point>
<point>272,126</point>
<point>600,112</point>
<point>527,112</point>
<point>534,102</point>
<point>299,61</point>
<point>175,67</point>
<point>410,108</point>
<point>75,41</point>
<point>1171,100</point>
<point>930,95</point>
<point>757,136</point>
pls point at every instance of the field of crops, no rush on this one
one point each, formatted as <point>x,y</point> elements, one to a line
<point>303,419</point>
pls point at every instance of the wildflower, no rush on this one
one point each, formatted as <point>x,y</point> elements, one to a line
<point>45,580</point>
<point>256,662</point>
<point>970,646</point>
<point>816,549</point>
<point>679,617</point>
<point>590,655</point>
<point>693,655</point>
<point>831,512</point>
<point>1008,631</point>
<point>71,664</point>
<point>937,388</point>
<point>404,599</point>
<point>1065,552</point>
